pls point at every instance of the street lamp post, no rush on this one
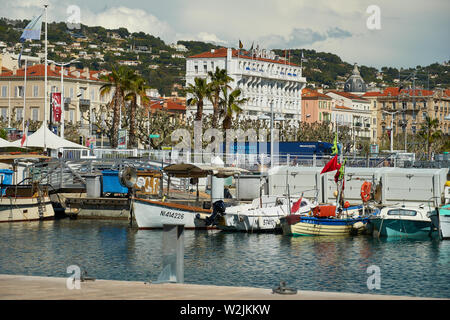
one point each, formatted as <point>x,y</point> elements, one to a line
<point>159,101</point>
<point>62,65</point>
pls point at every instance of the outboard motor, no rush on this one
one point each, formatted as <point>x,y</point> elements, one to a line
<point>218,210</point>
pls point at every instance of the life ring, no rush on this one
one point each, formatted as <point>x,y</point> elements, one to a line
<point>365,191</point>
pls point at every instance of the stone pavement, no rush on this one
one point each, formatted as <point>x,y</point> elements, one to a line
<point>18,287</point>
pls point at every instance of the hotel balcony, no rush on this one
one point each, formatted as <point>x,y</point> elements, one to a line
<point>272,75</point>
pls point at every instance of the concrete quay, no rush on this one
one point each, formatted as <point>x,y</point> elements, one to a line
<point>19,287</point>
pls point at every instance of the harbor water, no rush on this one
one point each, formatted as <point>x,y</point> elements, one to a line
<point>112,250</point>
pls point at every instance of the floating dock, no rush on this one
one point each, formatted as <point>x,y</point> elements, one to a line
<point>18,287</point>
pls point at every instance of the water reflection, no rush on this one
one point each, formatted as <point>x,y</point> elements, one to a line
<point>111,250</point>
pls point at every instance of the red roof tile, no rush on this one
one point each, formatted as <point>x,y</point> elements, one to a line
<point>38,70</point>
<point>372,94</point>
<point>348,95</point>
<point>394,91</point>
<point>222,53</point>
<point>313,94</point>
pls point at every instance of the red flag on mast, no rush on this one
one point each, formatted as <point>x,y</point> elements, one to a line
<point>296,205</point>
<point>331,165</point>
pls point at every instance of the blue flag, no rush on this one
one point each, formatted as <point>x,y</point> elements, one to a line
<point>33,29</point>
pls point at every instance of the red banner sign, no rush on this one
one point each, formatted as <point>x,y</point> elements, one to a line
<point>56,105</point>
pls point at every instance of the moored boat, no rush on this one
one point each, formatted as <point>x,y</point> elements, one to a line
<point>192,213</point>
<point>263,214</point>
<point>23,202</point>
<point>404,221</point>
<point>324,222</point>
<point>444,221</point>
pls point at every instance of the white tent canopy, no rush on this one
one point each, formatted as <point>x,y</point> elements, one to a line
<point>44,138</point>
<point>6,144</point>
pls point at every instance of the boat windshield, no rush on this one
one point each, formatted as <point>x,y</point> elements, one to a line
<point>402,212</point>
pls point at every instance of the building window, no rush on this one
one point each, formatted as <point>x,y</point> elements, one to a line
<point>196,69</point>
<point>414,116</point>
<point>35,91</point>
<point>71,116</point>
<point>424,115</point>
<point>4,113</point>
<point>35,114</point>
<point>19,92</point>
<point>92,94</point>
<point>413,129</point>
<point>374,121</point>
<point>19,114</point>
<point>4,90</point>
<point>393,105</point>
<point>71,93</point>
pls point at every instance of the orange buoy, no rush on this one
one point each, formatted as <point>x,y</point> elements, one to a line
<point>365,191</point>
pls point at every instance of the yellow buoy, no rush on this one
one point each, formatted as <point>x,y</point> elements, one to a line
<point>335,193</point>
<point>447,183</point>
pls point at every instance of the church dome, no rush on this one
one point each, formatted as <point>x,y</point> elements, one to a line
<point>355,82</point>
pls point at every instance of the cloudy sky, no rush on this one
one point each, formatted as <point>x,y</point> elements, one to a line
<point>412,33</point>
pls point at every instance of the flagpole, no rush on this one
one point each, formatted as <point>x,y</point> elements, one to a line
<point>24,96</point>
<point>45,80</point>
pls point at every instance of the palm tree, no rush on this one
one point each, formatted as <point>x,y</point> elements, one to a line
<point>199,92</point>
<point>230,103</point>
<point>117,80</point>
<point>430,132</point>
<point>136,88</point>
<point>219,80</point>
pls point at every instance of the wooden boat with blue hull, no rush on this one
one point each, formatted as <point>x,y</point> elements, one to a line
<point>407,222</point>
<point>325,223</point>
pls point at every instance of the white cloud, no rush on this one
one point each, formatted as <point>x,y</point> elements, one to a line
<point>411,34</point>
<point>135,20</point>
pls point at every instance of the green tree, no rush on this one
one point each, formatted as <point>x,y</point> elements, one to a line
<point>118,80</point>
<point>136,87</point>
<point>430,132</point>
<point>219,80</point>
<point>230,104</point>
<point>199,91</point>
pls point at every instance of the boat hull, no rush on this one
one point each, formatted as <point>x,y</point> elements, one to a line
<point>444,217</point>
<point>24,209</point>
<point>400,228</point>
<point>313,226</point>
<point>246,223</point>
<point>151,214</point>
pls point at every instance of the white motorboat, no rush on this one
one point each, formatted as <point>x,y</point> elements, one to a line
<point>263,214</point>
<point>176,208</point>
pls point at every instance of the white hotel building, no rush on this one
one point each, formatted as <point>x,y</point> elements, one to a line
<point>263,78</point>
